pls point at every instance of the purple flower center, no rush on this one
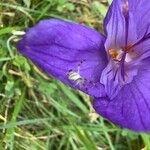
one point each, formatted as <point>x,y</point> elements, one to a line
<point>125,53</point>
<point>121,56</point>
<point>123,65</point>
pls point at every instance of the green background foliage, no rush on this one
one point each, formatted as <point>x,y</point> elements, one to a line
<point>38,112</point>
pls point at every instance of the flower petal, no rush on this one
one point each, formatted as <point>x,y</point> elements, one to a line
<point>140,10</point>
<point>126,21</point>
<point>115,26</point>
<point>131,107</point>
<point>122,23</point>
<point>70,52</point>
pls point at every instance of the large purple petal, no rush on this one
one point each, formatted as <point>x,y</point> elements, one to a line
<point>115,27</point>
<point>131,107</point>
<point>126,22</point>
<point>140,10</point>
<point>70,52</point>
<point>119,25</point>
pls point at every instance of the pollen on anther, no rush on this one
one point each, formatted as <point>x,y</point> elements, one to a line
<point>113,53</point>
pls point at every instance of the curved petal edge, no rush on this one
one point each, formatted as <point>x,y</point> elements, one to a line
<point>70,52</point>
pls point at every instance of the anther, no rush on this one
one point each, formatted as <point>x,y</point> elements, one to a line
<point>113,53</point>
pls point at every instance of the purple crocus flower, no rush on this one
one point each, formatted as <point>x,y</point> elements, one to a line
<point>113,68</point>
